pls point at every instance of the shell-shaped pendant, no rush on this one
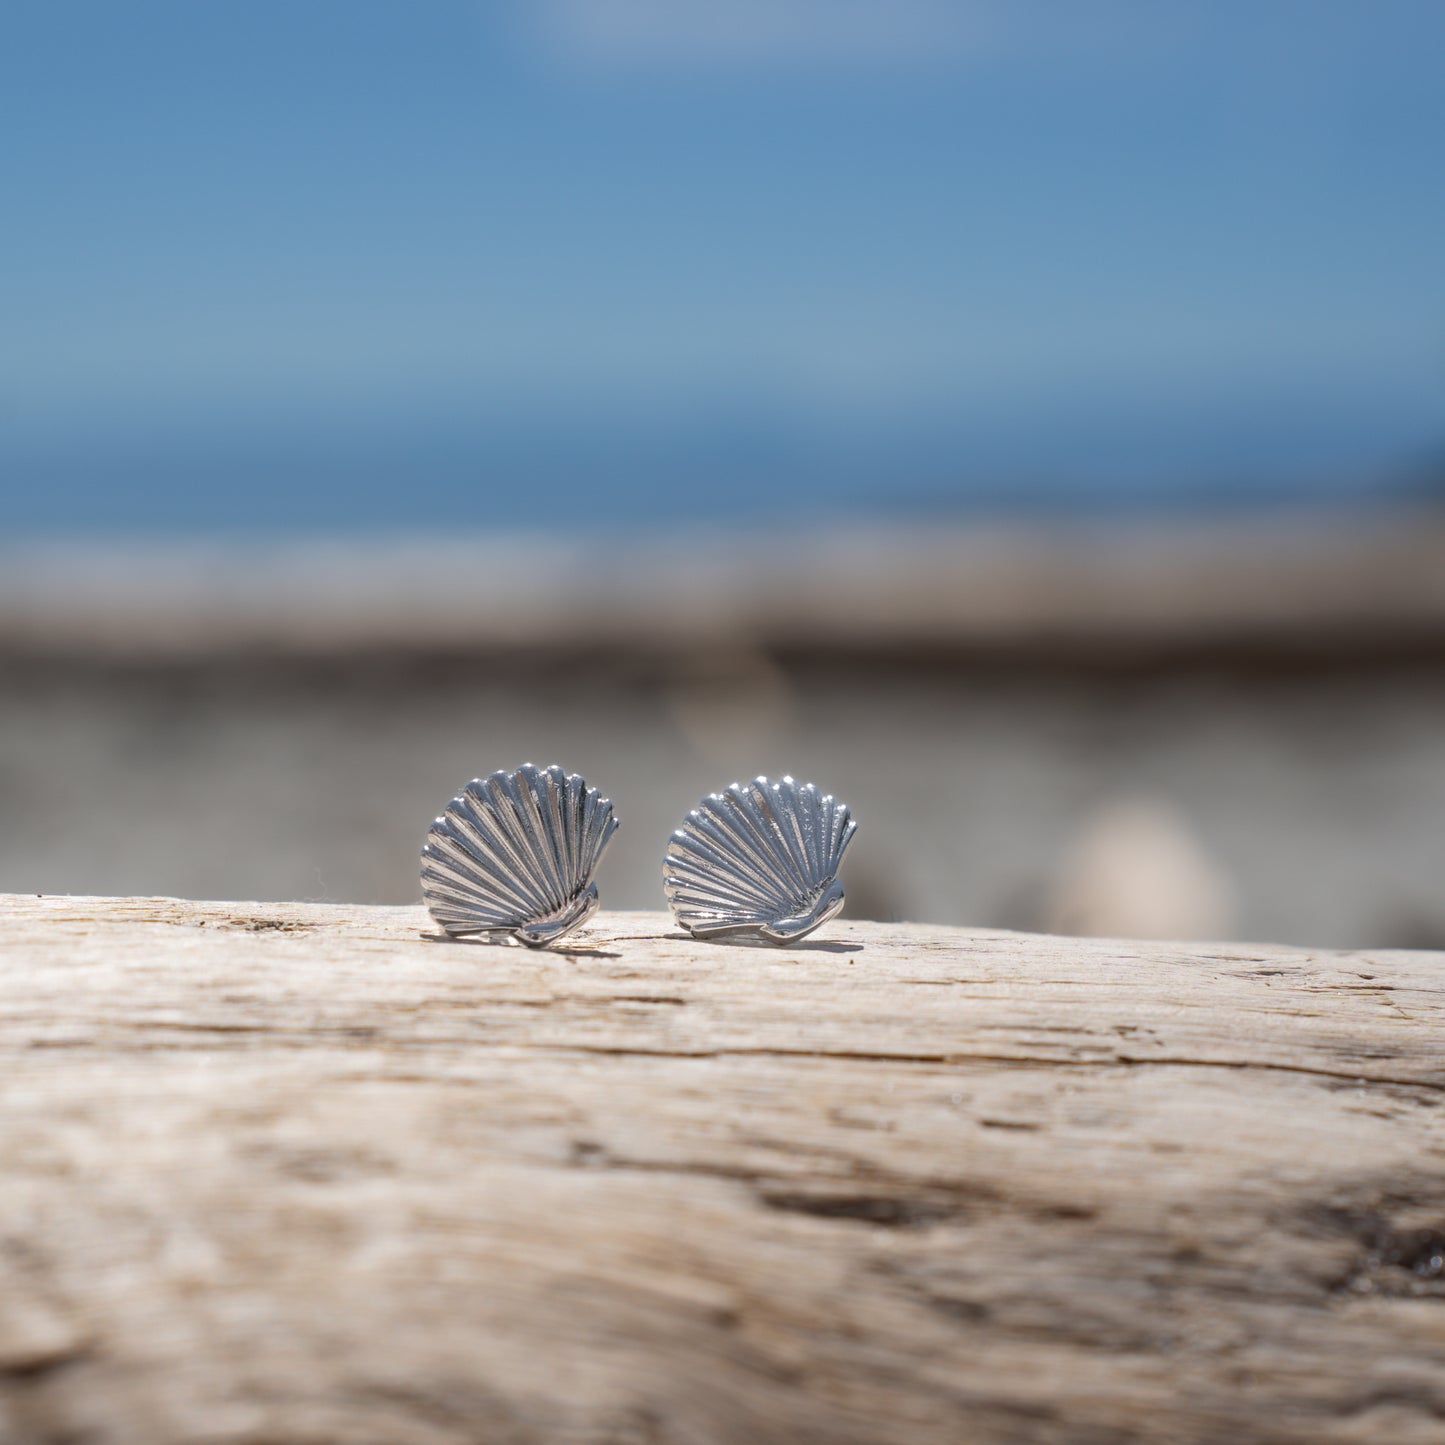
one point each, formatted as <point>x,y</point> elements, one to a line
<point>514,853</point>
<point>760,859</point>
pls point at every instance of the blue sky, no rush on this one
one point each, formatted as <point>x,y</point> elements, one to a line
<point>346,264</point>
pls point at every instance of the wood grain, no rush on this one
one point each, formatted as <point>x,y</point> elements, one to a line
<point>285,1174</point>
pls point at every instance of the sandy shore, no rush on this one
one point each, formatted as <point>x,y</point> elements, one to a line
<point>1133,734</point>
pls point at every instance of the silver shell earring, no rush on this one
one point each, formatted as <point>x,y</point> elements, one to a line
<point>513,855</point>
<point>758,860</point>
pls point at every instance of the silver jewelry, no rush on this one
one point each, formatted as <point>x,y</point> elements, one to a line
<point>758,860</point>
<point>513,855</point>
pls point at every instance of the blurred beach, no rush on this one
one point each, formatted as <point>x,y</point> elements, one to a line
<point>1233,730</point>
<point>1025,421</point>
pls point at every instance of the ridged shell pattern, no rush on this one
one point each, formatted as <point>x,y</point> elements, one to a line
<point>759,859</point>
<point>515,853</point>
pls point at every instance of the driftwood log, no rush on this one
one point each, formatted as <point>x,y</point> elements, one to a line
<point>290,1174</point>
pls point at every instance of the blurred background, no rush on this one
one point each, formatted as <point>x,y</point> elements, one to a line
<point>1025,420</point>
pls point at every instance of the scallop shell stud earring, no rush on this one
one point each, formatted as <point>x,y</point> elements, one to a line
<point>758,860</point>
<point>513,854</point>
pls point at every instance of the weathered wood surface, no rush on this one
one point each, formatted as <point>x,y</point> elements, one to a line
<point>287,1174</point>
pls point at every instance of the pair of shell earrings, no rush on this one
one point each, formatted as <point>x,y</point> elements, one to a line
<point>513,854</point>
